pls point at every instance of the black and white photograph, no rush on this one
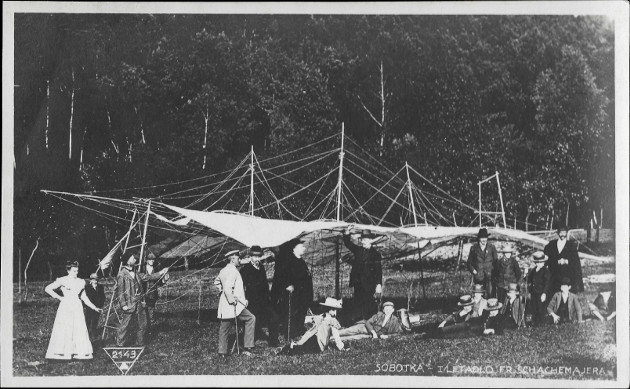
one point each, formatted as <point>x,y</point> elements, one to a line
<point>298,194</point>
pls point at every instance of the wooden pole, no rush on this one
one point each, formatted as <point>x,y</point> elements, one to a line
<point>251,185</point>
<point>144,234</point>
<point>501,199</point>
<point>111,302</point>
<point>479,185</point>
<point>339,188</point>
<point>20,273</point>
<point>424,294</point>
<point>338,270</point>
<point>413,205</point>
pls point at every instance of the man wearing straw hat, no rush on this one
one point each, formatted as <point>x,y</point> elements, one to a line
<point>482,259</point>
<point>539,285</point>
<point>507,270</point>
<point>366,275</point>
<point>325,328</point>
<point>492,321</point>
<point>233,305</point>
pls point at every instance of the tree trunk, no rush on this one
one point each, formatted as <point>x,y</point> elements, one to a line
<point>206,118</point>
<point>26,269</point>
<point>71,118</point>
<point>47,111</point>
<point>82,144</point>
<point>382,112</point>
<point>566,220</point>
<point>527,220</point>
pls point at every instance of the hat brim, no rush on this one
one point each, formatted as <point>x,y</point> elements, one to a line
<point>495,308</point>
<point>329,306</point>
<point>465,304</point>
<point>478,291</point>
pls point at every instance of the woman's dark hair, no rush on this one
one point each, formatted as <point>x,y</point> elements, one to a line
<point>70,265</point>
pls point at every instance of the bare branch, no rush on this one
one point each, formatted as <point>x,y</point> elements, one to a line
<point>369,113</point>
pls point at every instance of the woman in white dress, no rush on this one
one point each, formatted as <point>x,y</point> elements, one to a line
<point>70,338</point>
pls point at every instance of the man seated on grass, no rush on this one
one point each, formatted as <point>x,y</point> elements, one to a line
<point>380,325</point>
<point>513,311</point>
<point>604,306</point>
<point>493,321</point>
<point>325,329</point>
<point>564,306</point>
<point>462,315</point>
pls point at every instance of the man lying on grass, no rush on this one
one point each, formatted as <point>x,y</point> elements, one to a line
<point>380,325</point>
<point>325,329</point>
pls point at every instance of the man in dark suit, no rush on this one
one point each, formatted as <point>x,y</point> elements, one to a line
<point>564,262</point>
<point>539,285</point>
<point>482,260</point>
<point>151,287</point>
<point>96,294</point>
<point>299,288</point>
<point>366,275</point>
<point>257,293</point>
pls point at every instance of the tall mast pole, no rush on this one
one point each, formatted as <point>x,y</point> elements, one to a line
<point>413,205</point>
<point>339,183</point>
<point>251,185</point>
<point>144,234</point>
<point>501,198</point>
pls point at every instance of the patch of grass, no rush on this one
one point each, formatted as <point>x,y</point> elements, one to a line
<point>186,339</point>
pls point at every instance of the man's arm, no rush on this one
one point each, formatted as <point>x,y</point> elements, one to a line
<point>369,326</point>
<point>578,307</point>
<point>347,241</point>
<point>472,257</point>
<point>124,298</point>
<point>517,269</point>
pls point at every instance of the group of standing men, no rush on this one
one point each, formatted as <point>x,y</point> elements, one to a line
<point>558,264</point>
<point>245,295</point>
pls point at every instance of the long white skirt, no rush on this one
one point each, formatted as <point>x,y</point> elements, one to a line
<point>69,338</point>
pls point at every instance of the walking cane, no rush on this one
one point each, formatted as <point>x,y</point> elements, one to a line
<point>238,348</point>
<point>289,321</point>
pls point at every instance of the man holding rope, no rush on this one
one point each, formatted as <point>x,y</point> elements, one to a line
<point>233,305</point>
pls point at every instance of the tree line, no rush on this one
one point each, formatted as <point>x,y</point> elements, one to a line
<point>107,101</point>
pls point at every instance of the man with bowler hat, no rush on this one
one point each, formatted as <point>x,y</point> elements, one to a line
<point>482,260</point>
<point>96,294</point>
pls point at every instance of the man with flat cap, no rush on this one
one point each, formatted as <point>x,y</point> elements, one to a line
<point>257,293</point>
<point>131,299</point>
<point>233,305</point>
<point>482,260</point>
<point>366,275</point>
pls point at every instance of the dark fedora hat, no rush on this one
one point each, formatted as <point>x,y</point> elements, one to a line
<point>483,233</point>
<point>565,281</point>
<point>255,250</point>
<point>368,235</point>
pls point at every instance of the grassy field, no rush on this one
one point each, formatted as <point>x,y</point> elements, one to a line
<point>187,330</point>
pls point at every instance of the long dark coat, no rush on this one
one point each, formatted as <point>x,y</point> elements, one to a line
<point>256,288</point>
<point>367,270</point>
<point>300,277</point>
<point>573,270</point>
<point>482,261</point>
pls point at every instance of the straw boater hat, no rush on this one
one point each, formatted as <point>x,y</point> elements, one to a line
<point>539,256</point>
<point>465,300</point>
<point>331,303</point>
<point>478,288</point>
<point>231,253</point>
<point>513,288</point>
<point>94,276</point>
<point>493,304</point>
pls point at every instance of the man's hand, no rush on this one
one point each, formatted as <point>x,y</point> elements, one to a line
<point>556,318</point>
<point>488,331</point>
<point>125,308</point>
<point>543,297</point>
<point>164,271</point>
<point>290,288</point>
<point>474,272</point>
<point>99,310</point>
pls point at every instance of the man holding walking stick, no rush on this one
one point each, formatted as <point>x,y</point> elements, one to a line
<point>233,305</point>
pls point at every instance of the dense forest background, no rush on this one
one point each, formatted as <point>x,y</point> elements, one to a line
<point>113,101</point>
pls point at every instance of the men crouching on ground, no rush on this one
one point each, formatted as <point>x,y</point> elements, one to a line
<point>564,306</point>
<point>604,306</point>
<point>233,305</point>
<point>325,329</point>
<point>380,325</point>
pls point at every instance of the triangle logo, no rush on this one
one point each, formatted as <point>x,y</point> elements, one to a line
<point>124,357</point>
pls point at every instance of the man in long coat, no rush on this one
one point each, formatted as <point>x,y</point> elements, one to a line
<point>482,260</point>
<point>366,275</point>
<point>257,293</point>
<point>564,262</point>
<point>539,285</point>
<point>233,305</point>
<point>130,297</point>
<point>299,287</point>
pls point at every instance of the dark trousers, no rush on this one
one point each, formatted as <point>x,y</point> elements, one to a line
<point>226,324</point>
<point>486,281</point>
<point>364,303</point>
<point>539,308</point>
<point>297,321</point>
<point>460,330</point>
<point>138,319</point>
<point>91,320</point>
<point>501,293</point>
<point>266,316</point>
